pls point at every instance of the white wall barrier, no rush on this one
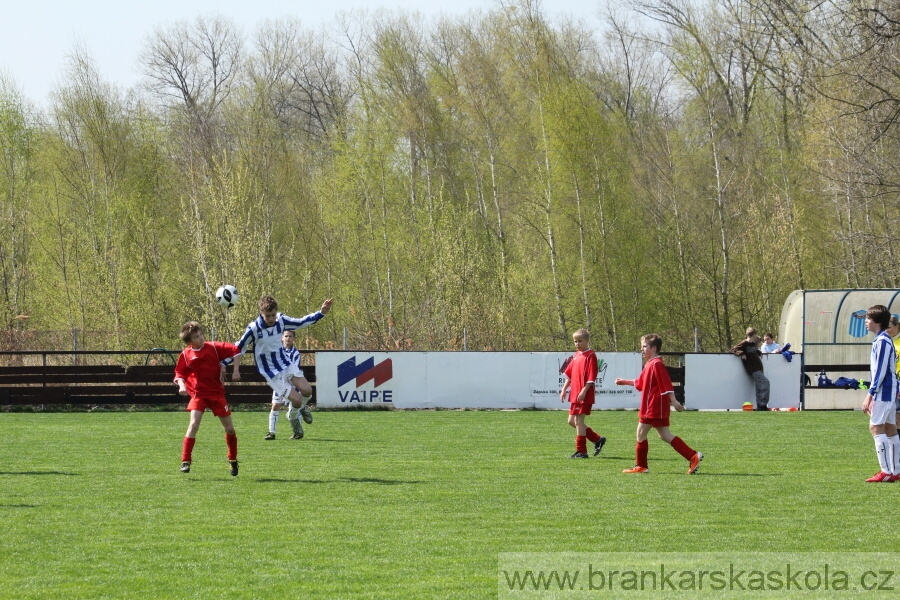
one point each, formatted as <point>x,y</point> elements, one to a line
<point>462,379</point>
<point>527,380</point>
<point>719,381</point>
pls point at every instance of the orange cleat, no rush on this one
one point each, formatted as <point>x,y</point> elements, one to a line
<point>636,469</point>
<point>695,463</point>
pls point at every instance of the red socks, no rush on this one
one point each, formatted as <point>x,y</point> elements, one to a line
<point>187,446</point>
<point>592,435</point>
<point>682,448</point>
<point>641,449</point>
<point>231,440</point>
<point>640,453</point>
<point>581,444</point>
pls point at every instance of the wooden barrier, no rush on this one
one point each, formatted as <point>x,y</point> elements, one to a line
<point>117,384</point>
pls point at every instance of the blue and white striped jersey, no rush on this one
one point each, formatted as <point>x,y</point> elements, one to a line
<point>884,362</point>
<point>271,357</point>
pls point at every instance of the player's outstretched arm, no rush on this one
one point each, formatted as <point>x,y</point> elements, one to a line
<point>326,306</point>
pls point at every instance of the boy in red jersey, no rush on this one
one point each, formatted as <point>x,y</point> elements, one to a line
<point>199,374</point>
<point>581,372</point>
<point>657,397</point>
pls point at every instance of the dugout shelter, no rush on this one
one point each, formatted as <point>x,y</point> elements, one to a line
<point>828,328</point>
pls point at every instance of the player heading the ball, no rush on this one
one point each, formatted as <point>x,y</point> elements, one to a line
<point>282,374</point>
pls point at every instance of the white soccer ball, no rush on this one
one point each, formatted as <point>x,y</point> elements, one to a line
<point>227,296</point>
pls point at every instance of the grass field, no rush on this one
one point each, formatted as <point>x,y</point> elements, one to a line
<point>406,504</point>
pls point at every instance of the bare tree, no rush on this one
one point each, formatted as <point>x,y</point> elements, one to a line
<point>301,78</point>
<point>193,67</point>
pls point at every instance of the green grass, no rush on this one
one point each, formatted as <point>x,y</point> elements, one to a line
<point>406,504</point>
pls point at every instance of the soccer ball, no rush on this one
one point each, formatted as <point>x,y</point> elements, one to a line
<point>227,296</point>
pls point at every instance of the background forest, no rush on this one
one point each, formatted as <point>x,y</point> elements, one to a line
<point>497,180</point>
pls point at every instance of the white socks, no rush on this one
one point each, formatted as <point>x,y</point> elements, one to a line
<point>273,420</point>
<point>894,442</point>
<point>884,449</point>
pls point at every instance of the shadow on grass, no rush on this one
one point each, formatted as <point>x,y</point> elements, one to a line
<point>341,480</point>
<point>708,474</point>
<point>38,473</point>
<point>280,480</point>
<point>2,506</point>
<point>378,481</point>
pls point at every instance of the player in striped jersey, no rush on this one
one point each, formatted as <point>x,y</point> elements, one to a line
<point>881,401</point>
<point>283,375</point>
<point>287,342</point>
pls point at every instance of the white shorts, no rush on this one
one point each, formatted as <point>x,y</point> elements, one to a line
<point>281,384</point>
<point>883,412</point>
<point>280,401</point>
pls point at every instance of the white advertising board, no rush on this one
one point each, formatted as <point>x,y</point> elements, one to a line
<point>348,379</point>
<point>463,379</point>
<point>610,365</point>
<point>719,381</point>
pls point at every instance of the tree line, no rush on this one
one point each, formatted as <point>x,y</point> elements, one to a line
<point>493,181</point>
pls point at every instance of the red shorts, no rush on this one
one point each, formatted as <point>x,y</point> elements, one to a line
<point>218,406</point>
<point>579,408</point>
<point>654,422</point>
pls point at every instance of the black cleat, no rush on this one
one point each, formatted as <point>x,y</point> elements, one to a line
<point>186,466</point>
<point>297,436</point>
<point>598,445</point>
<point>579,455</point>
<point>270,436</point>
<point>234,467</point>
<point>306,414</point>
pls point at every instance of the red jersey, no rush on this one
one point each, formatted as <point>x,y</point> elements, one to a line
<point>653,383</point>
<point>581,370</point>
<point>201,369</point>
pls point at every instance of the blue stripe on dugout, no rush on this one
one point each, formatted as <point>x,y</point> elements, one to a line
<point>858,324</point>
